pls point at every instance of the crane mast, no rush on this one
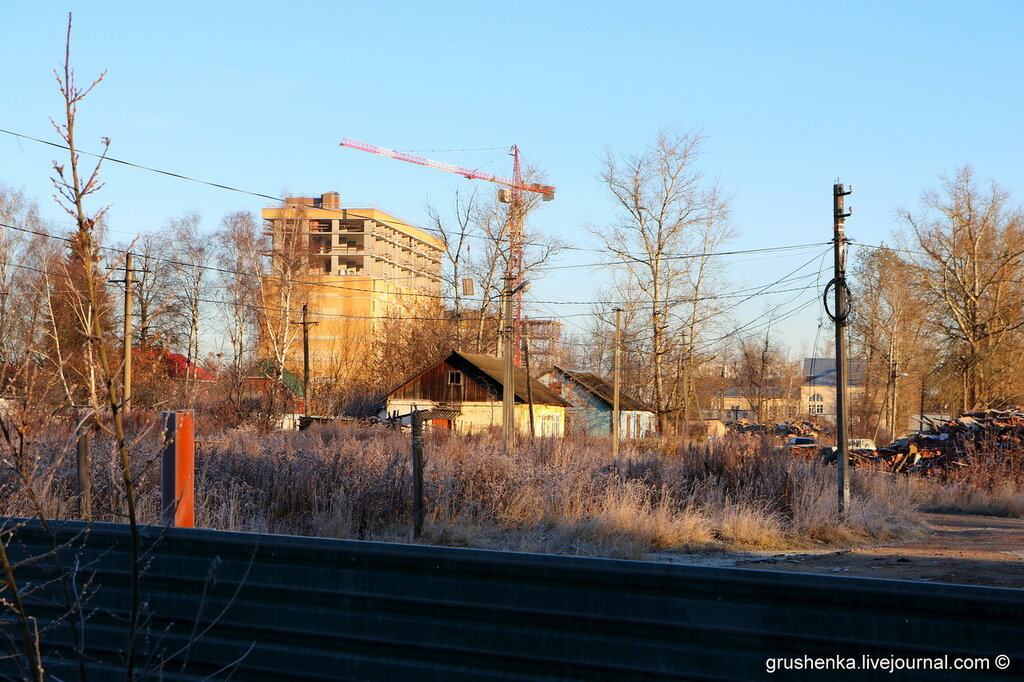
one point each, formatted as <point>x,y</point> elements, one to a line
<point>513,196</point>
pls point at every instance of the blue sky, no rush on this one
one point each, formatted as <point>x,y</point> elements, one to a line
<point>792,95</point>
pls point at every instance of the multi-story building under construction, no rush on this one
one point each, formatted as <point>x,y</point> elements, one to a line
<point>357,268</point>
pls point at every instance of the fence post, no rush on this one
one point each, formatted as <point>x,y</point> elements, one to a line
<point>84,479</point>
<point>417,473</point>
<point>178,469</point>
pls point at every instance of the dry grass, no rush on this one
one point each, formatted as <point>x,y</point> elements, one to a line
<point>558,496</point>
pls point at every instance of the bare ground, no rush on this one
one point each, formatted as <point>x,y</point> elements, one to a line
<point>962,549</point>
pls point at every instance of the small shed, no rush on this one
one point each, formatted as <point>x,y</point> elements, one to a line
<point>590,398</point>
<point>473,385</point>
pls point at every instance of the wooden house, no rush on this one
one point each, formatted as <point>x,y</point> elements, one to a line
<point>473,385</point>
<point>590,405</point>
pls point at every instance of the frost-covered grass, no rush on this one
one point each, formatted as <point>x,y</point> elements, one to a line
<point>563,496</point>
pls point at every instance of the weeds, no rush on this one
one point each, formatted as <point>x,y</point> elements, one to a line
<point>559,496</point>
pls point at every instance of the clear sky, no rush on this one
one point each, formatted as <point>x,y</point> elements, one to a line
<point>886,96</point>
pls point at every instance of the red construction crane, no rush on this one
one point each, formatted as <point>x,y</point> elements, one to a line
<point>514,226</point>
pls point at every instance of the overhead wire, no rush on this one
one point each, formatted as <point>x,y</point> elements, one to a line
<point>277,199</point>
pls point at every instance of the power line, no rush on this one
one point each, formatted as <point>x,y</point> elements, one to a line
<point>276,199</point>
<point>315,284</point>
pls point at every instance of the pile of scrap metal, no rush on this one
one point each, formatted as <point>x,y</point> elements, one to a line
<point>950,445</point>
<point>791,427</point>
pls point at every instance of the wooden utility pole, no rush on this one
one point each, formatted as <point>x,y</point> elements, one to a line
<point>307,398</point>
<point>508,392</point>
<point>616,379</point>
<point>417,418</point>
<point>529,382</point>
<point>839,316</point>
<point>129,280</point>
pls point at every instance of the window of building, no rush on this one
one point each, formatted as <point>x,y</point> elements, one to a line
<point>816,408</point>
<point>816,398</point>
<point>454,378</point>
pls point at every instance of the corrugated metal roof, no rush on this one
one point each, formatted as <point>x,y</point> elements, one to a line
<point>604,390</point>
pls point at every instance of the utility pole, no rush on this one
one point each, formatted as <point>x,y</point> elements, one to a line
<point>892,407</point>
<point>129,280</point>
<point>529,383</point>
<point>508,393</point>
<point>839,214</point>
<point>126,364</point>
<point>306,324</point>
<point>616,379</point>
<point>417,418</point>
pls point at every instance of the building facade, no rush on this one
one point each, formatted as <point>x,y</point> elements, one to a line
<point>356,268</point>
<point>818,392</point>
<point>590,401</point>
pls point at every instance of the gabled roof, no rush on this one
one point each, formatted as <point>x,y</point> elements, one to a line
<point>493,369</point>
<point>603,390</point>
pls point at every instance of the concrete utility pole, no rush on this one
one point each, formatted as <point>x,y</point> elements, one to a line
<point>129,280</point>
<point>508,392</point>
<point>615,383</point>
<point>306,324</point>
<point>839,214</point>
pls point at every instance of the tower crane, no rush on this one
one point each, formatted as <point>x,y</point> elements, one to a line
<point>513,196</point>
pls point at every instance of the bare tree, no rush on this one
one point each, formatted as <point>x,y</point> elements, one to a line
<point>888,325</point>
<point>281,289</point>
<point>195,255</point>
<point>970,273</point>
<point>667,212</point>
<point>456,233</point>
<point>160,314</point>
<point>765,377</point>
<point>239,230</point>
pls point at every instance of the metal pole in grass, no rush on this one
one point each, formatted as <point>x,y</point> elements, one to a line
<point>417,472</point>
<point>177,484</point>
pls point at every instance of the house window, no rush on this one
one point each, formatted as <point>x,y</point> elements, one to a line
<point>816,408</point>
<point>816,398</point>
<point>454,378</point>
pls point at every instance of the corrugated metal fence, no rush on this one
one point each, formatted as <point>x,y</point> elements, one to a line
<point>271,607</point>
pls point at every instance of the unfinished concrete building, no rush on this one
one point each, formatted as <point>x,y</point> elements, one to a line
<point>357,267</point>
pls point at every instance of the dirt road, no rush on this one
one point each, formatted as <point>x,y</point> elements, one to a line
<point>969,550</point>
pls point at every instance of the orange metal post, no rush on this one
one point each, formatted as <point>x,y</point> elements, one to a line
<point>178,469</point>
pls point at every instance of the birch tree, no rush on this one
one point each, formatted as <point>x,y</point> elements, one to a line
<point>666,211</point>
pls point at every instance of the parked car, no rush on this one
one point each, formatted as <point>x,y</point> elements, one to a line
<point>802,445</point>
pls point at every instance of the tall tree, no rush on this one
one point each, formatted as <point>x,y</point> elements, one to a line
<point>238,231</point>
<point>191,268</point>
<point>970,264</point>
<point>666,213</point>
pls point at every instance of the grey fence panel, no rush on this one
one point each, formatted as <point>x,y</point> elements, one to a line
<point>272,607</point>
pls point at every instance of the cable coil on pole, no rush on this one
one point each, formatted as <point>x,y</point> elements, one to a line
<point>838,281</point>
